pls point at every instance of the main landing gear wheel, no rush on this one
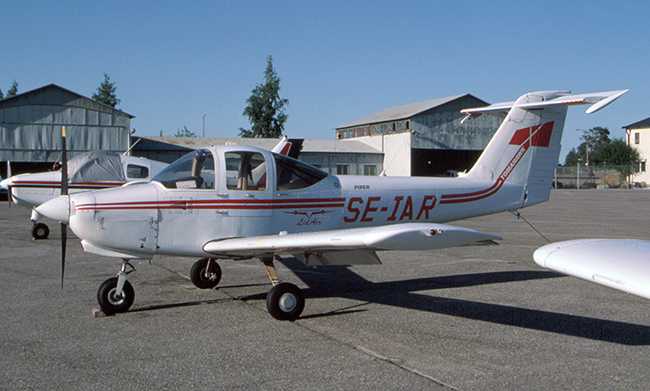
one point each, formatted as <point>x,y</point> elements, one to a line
<point>111,303</point>
<point>205,273</point>
<point>40,231</point>
<point>285,301</point>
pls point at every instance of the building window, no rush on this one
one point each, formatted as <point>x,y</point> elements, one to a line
<point>370,170</point>
<point>408,125</point>
<point>637,136</point>
<point>342,169</point>
<point>642,166</point>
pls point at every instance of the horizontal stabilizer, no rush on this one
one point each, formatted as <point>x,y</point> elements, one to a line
<point>411,236</point>
<point>597,100</point>
<point>618,264</point>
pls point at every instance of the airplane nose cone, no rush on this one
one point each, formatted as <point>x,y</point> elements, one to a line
<point>5,184</point>
<point>56,209</point>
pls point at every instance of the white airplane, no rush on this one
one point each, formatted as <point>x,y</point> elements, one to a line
<point>92,171</point>
<point>235,202</point>
<point>89,171</point>
<point>618,264</point>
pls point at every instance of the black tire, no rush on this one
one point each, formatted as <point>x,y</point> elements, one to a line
<point>203,278</point>
<point>285,301</point>
<point>40,231</point>
<point>111,304</point>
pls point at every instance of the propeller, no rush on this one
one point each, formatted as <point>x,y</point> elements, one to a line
<point>9,183</point>
<point>64,192</point>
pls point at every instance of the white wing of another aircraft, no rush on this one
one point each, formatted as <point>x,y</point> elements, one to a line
<point>618,264</point>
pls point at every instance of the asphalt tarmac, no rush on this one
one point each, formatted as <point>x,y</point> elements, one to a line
<point>470,318</point>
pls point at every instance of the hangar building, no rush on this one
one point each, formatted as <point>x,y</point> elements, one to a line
<point>30,128</point>
<point>425,138</point>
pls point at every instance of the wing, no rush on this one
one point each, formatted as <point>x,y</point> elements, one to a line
<point>348,246</point>
<point>618,264</point>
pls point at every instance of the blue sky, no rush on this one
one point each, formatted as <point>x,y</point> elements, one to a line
<point>173,62</point>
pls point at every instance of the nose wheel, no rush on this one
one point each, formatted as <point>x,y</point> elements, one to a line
<point>40,231</point>
<point>110,300</point>
<point>116,294</point>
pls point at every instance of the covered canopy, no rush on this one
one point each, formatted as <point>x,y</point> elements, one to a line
<point>96,166</point>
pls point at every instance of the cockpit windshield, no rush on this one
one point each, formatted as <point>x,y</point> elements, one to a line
<point>192,171</point>
<point>295,175</point>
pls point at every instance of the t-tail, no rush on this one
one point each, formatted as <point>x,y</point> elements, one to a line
<point>526,147</point>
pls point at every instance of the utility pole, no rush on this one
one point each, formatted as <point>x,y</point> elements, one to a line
<point>203,125</point>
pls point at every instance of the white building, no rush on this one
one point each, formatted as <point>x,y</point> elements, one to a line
<point>638,136</point>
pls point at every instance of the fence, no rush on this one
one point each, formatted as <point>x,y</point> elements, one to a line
<point>601,176</point>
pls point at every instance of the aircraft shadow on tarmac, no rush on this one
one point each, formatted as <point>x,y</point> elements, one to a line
<point>344,283</point>
<point>340,281</point>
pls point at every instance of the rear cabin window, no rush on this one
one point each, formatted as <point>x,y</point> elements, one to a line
<point>136,172</point>
<point>295,175</point>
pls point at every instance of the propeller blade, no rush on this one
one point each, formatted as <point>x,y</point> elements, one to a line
<point>64,163</point>
<point>9,186</point>
<point>64,192</point>
<point>64,240</point>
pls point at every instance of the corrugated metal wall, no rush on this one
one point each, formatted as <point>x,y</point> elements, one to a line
<point>30,126</point>
<point>441,128</point>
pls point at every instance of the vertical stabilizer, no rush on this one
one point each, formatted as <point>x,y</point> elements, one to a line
<point>525,149</point>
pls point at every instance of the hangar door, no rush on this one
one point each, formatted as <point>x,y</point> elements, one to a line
<point>435,162</point>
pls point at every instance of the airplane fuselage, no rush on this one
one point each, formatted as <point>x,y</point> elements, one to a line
<point>158,219</point>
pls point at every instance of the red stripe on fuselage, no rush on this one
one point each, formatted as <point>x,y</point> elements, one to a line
<point>220,204</point>
<point>535,136</point>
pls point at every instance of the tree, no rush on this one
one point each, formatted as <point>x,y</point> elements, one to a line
<point>106,93</point>
<point>598,149</point>
<point>185,132</point>
<point>13,91</point>
<point>265,107</point>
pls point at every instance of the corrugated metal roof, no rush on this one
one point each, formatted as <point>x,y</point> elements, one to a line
<point>641,124</point>
<point>401,112</point>
<point>342,146</point>
<point>37,97</point>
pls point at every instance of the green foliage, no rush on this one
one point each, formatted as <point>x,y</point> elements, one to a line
<point>13,91</point>
<point>597,148</point>
<point>106,93</point>
<point>265,107</point>
<point>185,132</point>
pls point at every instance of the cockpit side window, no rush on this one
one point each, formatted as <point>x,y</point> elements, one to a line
<point>295,175</point>
<point>245,171</point>
<point>192,171</point>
